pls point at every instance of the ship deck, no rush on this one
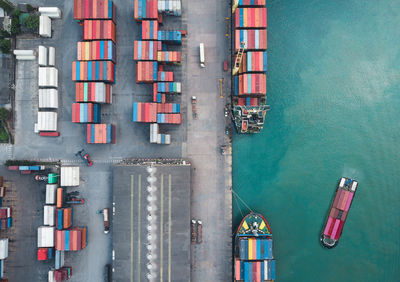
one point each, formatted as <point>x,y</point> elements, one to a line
<point>170,223</point>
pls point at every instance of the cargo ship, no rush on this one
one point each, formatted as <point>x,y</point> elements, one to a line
<point>253,255</point>
<point>249,72</point>
<point>338,212</point>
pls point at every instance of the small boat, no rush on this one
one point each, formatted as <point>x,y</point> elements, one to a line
<point>338,212</point>
<point>253,256</point>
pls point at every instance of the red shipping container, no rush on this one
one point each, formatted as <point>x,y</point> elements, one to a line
<point>99,30</point>
<point>42,254</point>
<point>94,9</point>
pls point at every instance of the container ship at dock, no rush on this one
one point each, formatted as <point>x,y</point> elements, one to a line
<point>253,255</point>
<point>338,212</point>
<point>250,68</point>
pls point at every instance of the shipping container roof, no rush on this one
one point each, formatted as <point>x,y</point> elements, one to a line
<point>151,224</point>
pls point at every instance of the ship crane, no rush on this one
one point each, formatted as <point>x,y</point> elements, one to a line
<point>235,4</point>
<point>239,57</point>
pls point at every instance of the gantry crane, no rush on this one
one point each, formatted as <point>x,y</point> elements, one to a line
<point>239,57</point>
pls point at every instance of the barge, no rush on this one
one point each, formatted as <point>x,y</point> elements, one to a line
<point>338,212</point>
<point>253,255</point>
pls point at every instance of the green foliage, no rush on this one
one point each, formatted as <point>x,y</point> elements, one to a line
<point>4,34</point>
<point>6,5</point>
<point>15,26</point>
<point>4,114</point>
<point>16,13</point>
<point>3,136</point>
<point>30,8</point>
<point>32,21</point>
<point>5,46</point>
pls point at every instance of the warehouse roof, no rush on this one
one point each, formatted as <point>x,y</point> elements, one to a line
<point>151,224</point>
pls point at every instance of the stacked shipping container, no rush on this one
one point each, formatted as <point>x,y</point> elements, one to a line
<point>100,134</point>
<point>73,239</point>
<point>93,71</point>
<point>338,213</point>
<point>147,52</point>
<point>255,270</point>
<point>251,18</point>
<point>97,92</point>
<point>96,50</point>
<point>64,218</point>
<point>5,218</point>
<point>86,113</point>
<point>254,62</point>
<point>103,9</point>
<point>99,30</point>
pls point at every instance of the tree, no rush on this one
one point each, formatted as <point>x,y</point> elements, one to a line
<point>5,46</point>
<point>4,114</point>
<point>4,34</point>
<point>6,5</point>
<point>15,26</point>
<point>16,13</point>
<point>3,136</point>
<point>32,21</point>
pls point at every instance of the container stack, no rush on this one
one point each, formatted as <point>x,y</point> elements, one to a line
<point>5,218</point>
<point>48,94</point>
<point>73,239</point>
<point>151,55</point>
<point>250,85</point>
<point>94,70</point>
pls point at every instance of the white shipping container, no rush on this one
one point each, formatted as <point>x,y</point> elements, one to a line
<point>167,139</point>
<point>178,87</point>
<point>51,194</point>
<point>24,52</point>
<point>48,77</point>
<point>47,121</point>
<point>52,56</point>
<point>46,237</point>
<point>44,26</point>
<point>25,58</point>
<point>51,12</point>
<point>48,98</point>
<point>70,176</point>
<point>153,132</point>
<point>8,212</point>
<point>42,58</point>
<point>49,214</point>
<point>51,276</point>
<point>4,248</point>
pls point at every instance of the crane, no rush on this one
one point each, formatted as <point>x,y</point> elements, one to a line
<point>235,4</point>
<point>239,58</point>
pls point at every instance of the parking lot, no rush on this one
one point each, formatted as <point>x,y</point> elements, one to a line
<point>198,140</point>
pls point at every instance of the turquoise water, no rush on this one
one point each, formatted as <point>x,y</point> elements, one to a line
<point>334,90</point>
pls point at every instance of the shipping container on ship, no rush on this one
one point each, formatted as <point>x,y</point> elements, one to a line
<point>146,50</point>
<point>93,71</point>
<point>97,92</point>
<point>169,57</point>
<point>146,72</point>
<point>170,36</point>
<point>255,39</point>
<point>100,134</point>
<point>145,10</point>
<point>254,84</point>
<point>254,62</point>
<point>96,50</point>
<point>338,212</point>
<point>94,9</point>
<point>253,253</point>
<point>149,30</point>
<point>86,113</point>
<point>251,18</point>
<point>99,30</point>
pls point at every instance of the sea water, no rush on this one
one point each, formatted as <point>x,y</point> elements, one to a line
<point>334,90</point>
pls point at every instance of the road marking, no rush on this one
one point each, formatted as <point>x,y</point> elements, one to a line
<point>169,228</point>
<point>138,260</point>
<point>161,227</point>
<point>132,186</point>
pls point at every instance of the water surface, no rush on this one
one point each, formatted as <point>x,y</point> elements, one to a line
<point>334,90</point>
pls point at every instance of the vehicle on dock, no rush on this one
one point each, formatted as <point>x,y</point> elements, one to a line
<point>194,107</point>
<point>338,212</point>
<point>84,156</point>
<point>253,254</point>
<point>202,56</point>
